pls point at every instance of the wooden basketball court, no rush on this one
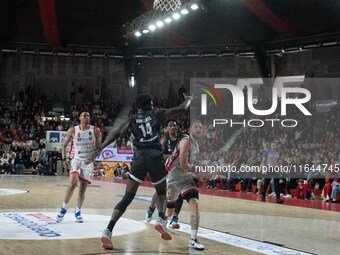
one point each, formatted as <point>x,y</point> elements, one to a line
<point>224,219</point>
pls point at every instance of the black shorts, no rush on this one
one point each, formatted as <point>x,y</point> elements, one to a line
<point>148,161</point>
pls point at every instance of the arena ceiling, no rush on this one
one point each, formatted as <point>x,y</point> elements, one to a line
<point>221,23</point>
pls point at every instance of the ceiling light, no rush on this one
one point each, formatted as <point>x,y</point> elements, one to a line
<point>138,34</point>
<point>168,20</point>
<point>152,27</point>
<point>194,7</point>
<point>159,23</point>
<point>184,11</point>
<point>145,31</point>
<point>176,16</point>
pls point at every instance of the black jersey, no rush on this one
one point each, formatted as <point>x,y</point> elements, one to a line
<point>169,145</point>
<point>145,129</point>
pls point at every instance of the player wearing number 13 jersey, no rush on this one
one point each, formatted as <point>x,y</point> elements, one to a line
<point>147,159</point>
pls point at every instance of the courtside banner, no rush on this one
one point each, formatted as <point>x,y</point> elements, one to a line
<point>55,139</point>
<point>283,127</point>
<point>111,154</point>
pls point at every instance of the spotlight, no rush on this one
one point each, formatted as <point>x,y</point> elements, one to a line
<point>132,80</point>
<point>159,23</point>
<point>194,7</point>
<point>152,27</point>
<point>184,11</point>
<point>71,53</point>
<point>176,16</point>
<point>145,31</point>
<point>36,51</point>
<point>138,34</point>
<point>168,20</point>
<point>89,54</point>
<point>18,50</point>
<point>300,47</point>
<point>283,50</point>
<point>54,52</point>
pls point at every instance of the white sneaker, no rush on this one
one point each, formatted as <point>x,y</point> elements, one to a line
<point>79,218</point>
<point>60,216</point>
<point>160,226</point>
<point>106,239</point>
<point>196,245</point>
<point>327,198</point>
<point>271,194</point>
<point>288,196</point>
<point>282,195</point>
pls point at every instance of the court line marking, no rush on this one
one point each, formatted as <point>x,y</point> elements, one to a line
<point>241,242</point>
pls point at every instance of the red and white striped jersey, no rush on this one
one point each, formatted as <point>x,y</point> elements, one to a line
<point>83,143</point>
<point>173,160</point>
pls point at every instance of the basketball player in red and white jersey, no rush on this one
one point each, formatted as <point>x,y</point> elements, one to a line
<point>85,140</point>
<point>180,180</point>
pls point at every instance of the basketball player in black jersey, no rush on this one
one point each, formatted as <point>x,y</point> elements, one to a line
<point>169,142</point>
<point>148,159</point>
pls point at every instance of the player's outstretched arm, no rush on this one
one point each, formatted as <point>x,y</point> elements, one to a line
<point>111,137</point>
<point>181,109</point>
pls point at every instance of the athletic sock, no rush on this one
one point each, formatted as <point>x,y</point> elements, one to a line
<point>194,234</point>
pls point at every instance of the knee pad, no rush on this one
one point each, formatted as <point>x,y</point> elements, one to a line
<point>191,194</point>
<point>126,200</point>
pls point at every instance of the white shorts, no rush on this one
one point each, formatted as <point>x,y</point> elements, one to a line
<point>84,171</point>
<point>178,182</point>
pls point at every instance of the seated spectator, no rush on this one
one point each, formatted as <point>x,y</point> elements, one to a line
<point>19,163</point>
<point>326,192</point>
<point>99,171</point>
<point>118,171</point>
<point>4,163</point>
<point>335,189</point>
<point>41,169</point>
<point>34,161</point>
<point>304,190</point>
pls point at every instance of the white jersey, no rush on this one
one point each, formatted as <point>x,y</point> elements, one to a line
<point>179,181</point>
<point>172,161</point>
<point>83,143</point>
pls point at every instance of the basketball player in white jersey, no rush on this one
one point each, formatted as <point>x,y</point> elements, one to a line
<point>180,180</point>
<point>85,140</point>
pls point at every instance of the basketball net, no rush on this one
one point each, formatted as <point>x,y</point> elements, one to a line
<point>167,5</point>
